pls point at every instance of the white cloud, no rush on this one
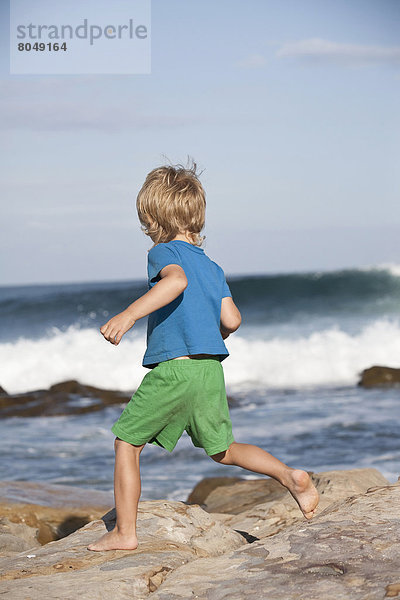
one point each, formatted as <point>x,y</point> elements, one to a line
<point>254,61</point>
<point>320,50</point>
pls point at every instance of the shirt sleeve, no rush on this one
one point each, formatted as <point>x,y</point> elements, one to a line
<point>159,257</point>
<point>225,288</point>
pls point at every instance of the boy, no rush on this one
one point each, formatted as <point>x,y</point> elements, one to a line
<point>191,313</point>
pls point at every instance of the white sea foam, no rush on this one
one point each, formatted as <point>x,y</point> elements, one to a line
<point>392,268</point>
<point>327,357</point>
<point>80,354</point>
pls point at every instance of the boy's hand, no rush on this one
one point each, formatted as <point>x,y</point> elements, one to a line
<point>172,283</point>
<point>115,328</point>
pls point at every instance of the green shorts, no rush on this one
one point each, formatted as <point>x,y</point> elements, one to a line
<point>176,396</point>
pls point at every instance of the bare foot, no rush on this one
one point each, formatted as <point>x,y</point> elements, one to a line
<point>303,491</point>
<point>114,540</point>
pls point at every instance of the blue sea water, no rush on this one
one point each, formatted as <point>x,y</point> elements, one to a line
<point>292,371</point>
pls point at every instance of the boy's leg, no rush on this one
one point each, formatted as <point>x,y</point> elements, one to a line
<point>127,493</point>
<point>255,459</point>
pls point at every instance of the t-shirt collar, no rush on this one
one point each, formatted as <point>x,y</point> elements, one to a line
<point>188,244</point>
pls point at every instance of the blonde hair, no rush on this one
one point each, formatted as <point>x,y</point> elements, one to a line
<point>172,201</point>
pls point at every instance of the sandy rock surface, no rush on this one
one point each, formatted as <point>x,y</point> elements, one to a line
<point>350,550</point>
<point>262,518</point>
<point>16,537</point>
<point>54,511</point>
<point>203,489</point>
<point>170,533</point>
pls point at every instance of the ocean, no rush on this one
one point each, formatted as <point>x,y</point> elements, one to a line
<point>292,375</point>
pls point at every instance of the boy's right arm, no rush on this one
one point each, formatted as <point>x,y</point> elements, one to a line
<point>230,317</point>
<point>172,283</point>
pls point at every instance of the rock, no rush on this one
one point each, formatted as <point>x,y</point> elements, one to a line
<point>187,524</point>
<point>265,507</point>
<point>55,495</point>
<point>238,497</point>
<point>170,534</point>
<point>16,537</point>
<point>202,490</point>
<point>280,509</point>
<point>51,523</point>
<point>350,551</point>
<point>54,510</point>
<point>380,377</point>
<point>65,398</point>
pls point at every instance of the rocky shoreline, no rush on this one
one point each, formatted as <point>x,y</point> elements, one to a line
<point>65,398</point>
<point>231,539</point>
<point>74,398</point>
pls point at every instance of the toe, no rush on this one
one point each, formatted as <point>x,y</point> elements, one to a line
<point>92,547</point>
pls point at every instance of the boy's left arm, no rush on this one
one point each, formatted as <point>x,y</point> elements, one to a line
<point>230,317</point>
<point>172,283</point>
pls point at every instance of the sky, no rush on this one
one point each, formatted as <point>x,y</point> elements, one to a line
<point>290,108</point>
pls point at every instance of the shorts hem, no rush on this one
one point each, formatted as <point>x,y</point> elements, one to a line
<point>120,433</point>
<point>218,449</point>
<point>165,443</point>
<point>125,437</point>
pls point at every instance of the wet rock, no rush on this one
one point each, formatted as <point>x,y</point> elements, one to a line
<point>170,534</point>
<point>65,398</point>
<point>349,551</point>
<point>380,377</point>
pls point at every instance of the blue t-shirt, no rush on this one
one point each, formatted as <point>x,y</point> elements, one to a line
<point>190,323</point>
